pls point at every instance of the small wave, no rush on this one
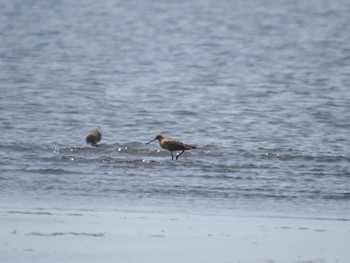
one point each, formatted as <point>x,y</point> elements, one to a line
<point>54,234</point>
<point>29,213</point>
<point>340,196</point>
<point>60,158</point>
<point>109,160</point>
<point>185,113</point>
<point>52,171</point>
<point>21,147</point>
<point>287,156</point>
<point>72,149</point>
<point>222,177</point>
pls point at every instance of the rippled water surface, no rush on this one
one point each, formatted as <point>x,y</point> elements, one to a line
<point>262,88</point>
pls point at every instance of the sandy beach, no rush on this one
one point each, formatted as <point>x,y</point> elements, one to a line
<point>40,235</point>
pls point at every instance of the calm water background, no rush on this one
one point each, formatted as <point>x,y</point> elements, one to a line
<point>261,87</point>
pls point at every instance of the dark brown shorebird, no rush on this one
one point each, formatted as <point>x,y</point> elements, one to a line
<point>93,136</point>
<point>172,145</point>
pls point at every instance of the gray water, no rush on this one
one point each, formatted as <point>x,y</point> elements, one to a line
<point>261,87</point>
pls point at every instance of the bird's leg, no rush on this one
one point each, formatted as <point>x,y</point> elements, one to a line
<point>177,156</point>
<point>172,156</point>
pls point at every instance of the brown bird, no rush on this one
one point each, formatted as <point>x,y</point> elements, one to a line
<point>172,145</point>
<point>93,136</point>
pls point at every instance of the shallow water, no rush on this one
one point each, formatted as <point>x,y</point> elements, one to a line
<point>262,89</point>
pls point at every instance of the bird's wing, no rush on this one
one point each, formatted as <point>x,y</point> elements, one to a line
<point>173,145</point>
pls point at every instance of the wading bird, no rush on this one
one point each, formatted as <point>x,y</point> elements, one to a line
<point>93,136</point>
<point>172,145</point>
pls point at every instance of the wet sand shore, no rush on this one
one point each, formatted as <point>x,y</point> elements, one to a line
<point>40,235</point>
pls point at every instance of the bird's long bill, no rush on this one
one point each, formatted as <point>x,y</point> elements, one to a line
<point>151,140</point>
